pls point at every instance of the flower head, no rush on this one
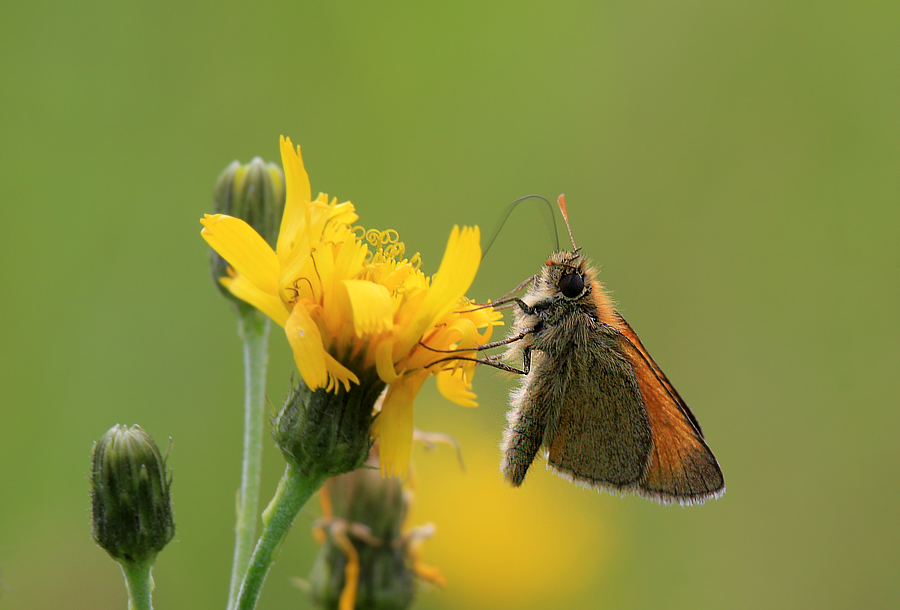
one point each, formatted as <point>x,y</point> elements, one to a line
<point>351,302</point>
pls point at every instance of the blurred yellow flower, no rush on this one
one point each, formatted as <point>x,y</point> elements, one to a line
<point>370,556</point>
<point>350,302</point>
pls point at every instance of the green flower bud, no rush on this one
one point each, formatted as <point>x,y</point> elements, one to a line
<point>132,510</point>
<point>367,559</point>
<point>385,581</point>
<point>324,434</point>
<point>255,193</point>
<point>364,496</point>
<point>384,577</point>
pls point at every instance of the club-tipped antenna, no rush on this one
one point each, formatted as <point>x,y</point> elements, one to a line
<point>561,202</point>
<point>505,216</point>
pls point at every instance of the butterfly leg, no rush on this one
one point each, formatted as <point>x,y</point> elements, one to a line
<point>506,298</point>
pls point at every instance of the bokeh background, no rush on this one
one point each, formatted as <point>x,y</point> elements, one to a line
<point>732,167</point>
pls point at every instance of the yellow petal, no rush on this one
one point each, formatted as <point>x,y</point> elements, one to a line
<point>296,182</point>
<point>468,332</point>
<point>384,362</point>
<point>455,275</point>
<point>347,600</point>
<point>306,343</point>
<point>397,276</point>
<point>394,425</point>
<point>318,213</point>
<point>371,307</point>
<point>244,249</point>
<point>452,385</point>
<point>439,340</point>
<point>457,271</point>
<point>296,268</point>
<point>269,304</point>
<point>345,213</point>
<point>339,372</point>
<point>350,260</point>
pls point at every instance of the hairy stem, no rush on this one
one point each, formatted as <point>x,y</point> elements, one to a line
<point>253,328</point>
<point>294,490</point>
<point>139,584</point>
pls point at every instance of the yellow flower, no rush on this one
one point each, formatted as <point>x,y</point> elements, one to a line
<point>351,303</point>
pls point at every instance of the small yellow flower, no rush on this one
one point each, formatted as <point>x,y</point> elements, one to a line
<point>350,302</point>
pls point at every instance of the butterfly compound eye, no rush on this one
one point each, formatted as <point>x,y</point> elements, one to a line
<point>571,285</point>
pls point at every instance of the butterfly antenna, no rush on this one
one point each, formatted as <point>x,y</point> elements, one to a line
<point>505,216</point>
<point>561,202</point>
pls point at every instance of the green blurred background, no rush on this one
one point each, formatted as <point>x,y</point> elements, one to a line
<point>732,167</point>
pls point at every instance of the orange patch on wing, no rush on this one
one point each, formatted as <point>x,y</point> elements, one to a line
<point>623,327</point>
<point>680,463</point>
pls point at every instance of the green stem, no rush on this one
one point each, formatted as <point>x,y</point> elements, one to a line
<point>139,584</point>
<point>253,328</point>
<point>294,490</point>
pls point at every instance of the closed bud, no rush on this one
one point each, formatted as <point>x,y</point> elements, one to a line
<point>131,505</point>
<point>327,433</point>
<point>255,193</point>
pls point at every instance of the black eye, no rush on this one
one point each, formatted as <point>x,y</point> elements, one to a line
<point>571,285</point>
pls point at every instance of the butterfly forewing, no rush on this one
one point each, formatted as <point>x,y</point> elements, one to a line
<point>681,467</point>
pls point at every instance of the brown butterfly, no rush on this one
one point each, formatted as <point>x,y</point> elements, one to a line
<point>594,399</point>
